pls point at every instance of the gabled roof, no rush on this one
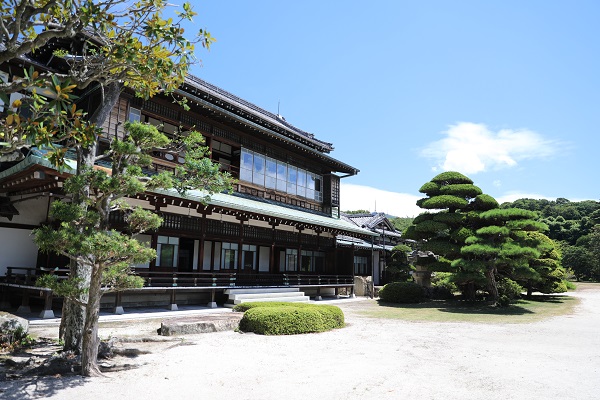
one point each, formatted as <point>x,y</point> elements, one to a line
<point>218,200</point>
<point>276,120</point>
<point>370,220</point>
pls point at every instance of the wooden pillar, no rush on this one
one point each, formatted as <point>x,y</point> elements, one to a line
<point>272,267</point>
<point>24,307</point>
<point>118,309</point>
<point>241,243</point>
<point>201,244</point>
<point>173,301</point>
<point>212,303</point>
<point>47,311</point>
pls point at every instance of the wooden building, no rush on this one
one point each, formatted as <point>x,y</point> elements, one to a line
<point>278,228</point>
<point>368,255</point>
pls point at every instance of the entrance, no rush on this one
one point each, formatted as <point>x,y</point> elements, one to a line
<point>185,261</point>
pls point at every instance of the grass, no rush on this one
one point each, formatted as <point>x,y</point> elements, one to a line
<point>524,311</point>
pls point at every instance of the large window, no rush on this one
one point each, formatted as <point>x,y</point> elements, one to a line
<point>249,257</point>
<point>229,256</point>
<point>361,264</point>
<point>275,174</point>
<point>167,251</point>
<point>312,261</point>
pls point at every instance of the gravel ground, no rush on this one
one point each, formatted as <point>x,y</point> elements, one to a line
<point>369,359</point>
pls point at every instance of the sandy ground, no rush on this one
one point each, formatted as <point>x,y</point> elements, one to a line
<point>369,359</point>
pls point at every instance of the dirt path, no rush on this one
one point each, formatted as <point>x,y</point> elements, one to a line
<point>370,359</point>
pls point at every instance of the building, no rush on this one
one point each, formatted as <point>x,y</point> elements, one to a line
<point>277,229</point>
<point>369,255</point>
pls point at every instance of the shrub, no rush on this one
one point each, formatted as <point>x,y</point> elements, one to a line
<point>401,292</point>
<point>274,318</point>
<point>509,291</point>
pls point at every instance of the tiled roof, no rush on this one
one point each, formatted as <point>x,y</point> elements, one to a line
<point>225,201</point>
<point>254,109</point>
<point>273,210</point>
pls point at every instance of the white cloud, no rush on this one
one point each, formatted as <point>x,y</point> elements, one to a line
<point>358,197</point>
<point>512,196</point>
<point>470,148</point>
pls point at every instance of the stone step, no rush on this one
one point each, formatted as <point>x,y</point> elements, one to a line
<point>263,295</point>
<point>285,299</point>
<point>261,290</point>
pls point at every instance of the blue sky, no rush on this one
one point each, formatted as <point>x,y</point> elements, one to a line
<point>506,92</point>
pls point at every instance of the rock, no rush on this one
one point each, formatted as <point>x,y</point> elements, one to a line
<point>362,286</point>
<point>205,324</point>
<point>11,324</point>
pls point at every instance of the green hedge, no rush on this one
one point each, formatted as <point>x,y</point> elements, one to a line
<point>275,318</point>
<point>402,292</point>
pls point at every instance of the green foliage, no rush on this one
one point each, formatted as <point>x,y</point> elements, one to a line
<point>444,202</point>
<point>290,318</point>
<point>423,217</point>
<point>401,223</point>
<point>443,286</point>
<point>452,219</point>
<point>11,340</point>
<point>430,189</point>
<point>509,292</point>
<point>431,226</point>
<point>484,202</point>
<point>462,190</point>
<point>451,178</point>
<point>401,292</point>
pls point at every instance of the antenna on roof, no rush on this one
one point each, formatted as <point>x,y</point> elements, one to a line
<point>279,116</point>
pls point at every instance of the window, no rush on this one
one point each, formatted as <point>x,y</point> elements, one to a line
<point>271,173</point>
<point>229,255</point>
<point>361,265</point>
<point>167,251</point>
<point>249,256</point>
<point>281,175</point>
<point>135,115</point>
<point>258,173</point>
<point>312,261</point>
<point>291,259</point>
<point>274,174</point>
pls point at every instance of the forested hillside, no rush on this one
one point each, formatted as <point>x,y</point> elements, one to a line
<point>575,226</point>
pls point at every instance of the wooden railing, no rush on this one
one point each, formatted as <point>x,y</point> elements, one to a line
<point>27,276</point>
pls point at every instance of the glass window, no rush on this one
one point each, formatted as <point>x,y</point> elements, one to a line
<point>310,181</point>
<point>167,251</point>
<point>135,115</point>
<point>360,265</point>
<point>301,177</point>
<point>246,161</point>
<point>292,175</point>
<point>271,167</point>
<point>306,263</point>
<point>291,259</point>
<point>229,255</point>
<point>249,256</point>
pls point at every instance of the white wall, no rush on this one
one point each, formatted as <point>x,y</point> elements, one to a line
<point>18,249</point>
<point>31,212</point>
<point>264,258</point>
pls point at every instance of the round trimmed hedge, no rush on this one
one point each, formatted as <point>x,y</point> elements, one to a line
<point>402,292</point>
<point>278,318</point>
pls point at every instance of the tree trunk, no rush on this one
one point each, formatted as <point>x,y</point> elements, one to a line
<point>74,315</point>
<point>89,352</point>
<point>529,289</point>
<point>492,286</point>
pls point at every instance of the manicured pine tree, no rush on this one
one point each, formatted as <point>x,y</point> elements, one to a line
<point>455,203</point>
<point>497,247</point>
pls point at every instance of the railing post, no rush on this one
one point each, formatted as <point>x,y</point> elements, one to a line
<point>174,279</point>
